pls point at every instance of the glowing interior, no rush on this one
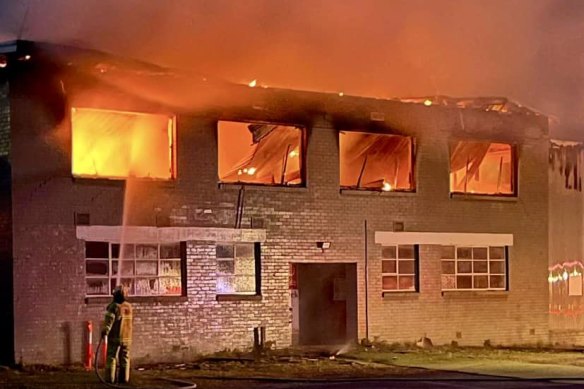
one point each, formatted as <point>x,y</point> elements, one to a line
<point>260,153</point>
<point>376,161</point>
<point>482,168</point>
<point>115,144</point>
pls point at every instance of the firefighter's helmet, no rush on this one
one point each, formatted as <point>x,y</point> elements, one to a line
<point>120,292</point>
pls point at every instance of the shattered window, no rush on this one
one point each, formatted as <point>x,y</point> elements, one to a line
<point>236,268</point>
<point>115,144</point>
<point>145,269</point>
<point>399,268</point>
<point>376,161</point>
<point>474,268</point>
<point>482,168</point>
<point>257,153</point>
<point>566,160</point>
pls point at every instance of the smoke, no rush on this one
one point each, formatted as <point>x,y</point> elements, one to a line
<point>528,50</point>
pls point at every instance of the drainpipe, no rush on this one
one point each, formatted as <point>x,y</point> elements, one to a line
<point>366,286</point>
<point>239,207</point>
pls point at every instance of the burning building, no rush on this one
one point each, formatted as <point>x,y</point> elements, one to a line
<point>318,218</point>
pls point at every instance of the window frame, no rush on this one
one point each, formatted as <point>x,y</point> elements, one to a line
<point>302,157</point>
<point>397,259</point>
<point>412,158</point>
<point>256,248</point>
<point>514,168</point>
<point>111,277</point>
<point>472,274</point>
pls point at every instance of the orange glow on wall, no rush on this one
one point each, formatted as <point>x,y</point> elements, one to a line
<point>116,144</point>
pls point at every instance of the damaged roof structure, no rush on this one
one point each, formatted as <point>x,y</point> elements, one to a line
<point>228,210</point>
<point>497,104</point>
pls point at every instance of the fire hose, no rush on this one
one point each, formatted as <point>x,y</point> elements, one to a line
<point>182,384</point>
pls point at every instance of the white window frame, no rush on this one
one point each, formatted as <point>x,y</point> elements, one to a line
<point>112,278</point>
<point>472,273</point>
<point>397,273</point>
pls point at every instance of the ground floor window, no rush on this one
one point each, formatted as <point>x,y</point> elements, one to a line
<point>474,268</point>
<point>238,268</point>
<point>145,269</point>
<point>399,268</point>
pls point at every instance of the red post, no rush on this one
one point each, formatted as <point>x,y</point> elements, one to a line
<point>89,355</point>
<point>104,351</point>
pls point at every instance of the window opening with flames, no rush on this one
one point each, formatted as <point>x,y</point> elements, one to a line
<point>380,162</point>
<point>482,168</point>
<point>118,145</point>
<point>258,153</point>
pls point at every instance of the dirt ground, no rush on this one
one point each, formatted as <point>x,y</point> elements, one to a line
<point>212,373</point>
<point>244,371</point>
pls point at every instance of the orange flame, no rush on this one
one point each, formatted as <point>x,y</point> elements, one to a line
<point>115,144</point>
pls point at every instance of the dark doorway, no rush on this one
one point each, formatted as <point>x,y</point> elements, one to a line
<point>6,287</point>
<point>327,303</point>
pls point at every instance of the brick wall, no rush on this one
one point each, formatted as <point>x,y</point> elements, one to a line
<point>49,260</point>
<point>6,296</point>
<point>4,119</point>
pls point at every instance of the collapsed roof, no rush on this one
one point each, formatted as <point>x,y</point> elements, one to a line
<point>179,89</point>
<point>497,104</point>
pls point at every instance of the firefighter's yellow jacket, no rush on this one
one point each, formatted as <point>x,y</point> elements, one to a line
<point>117,324</point>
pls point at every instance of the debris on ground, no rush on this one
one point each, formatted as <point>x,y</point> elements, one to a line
<point>281,365</point>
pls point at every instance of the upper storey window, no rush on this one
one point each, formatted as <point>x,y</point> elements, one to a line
<point>482,168</point>
<point>376,161</point>
<point>257,153</point>
<point>115,144</point>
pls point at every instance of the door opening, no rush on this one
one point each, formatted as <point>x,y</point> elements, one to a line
<point>324,303</point>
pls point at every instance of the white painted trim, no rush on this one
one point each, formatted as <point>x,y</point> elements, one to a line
<point>389,238</point>
<point>135,234</point>
<point>558,142</point>
<point>324,261</point>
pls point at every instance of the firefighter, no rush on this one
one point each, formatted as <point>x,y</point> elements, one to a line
<point>117,326</point>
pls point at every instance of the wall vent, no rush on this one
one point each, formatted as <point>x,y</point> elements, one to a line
<point>162,221</point>
<point>258,222</point>
<point>398,226</point>
<point>82,219</point>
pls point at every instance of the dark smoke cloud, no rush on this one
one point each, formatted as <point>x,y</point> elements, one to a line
<point>531,51</point>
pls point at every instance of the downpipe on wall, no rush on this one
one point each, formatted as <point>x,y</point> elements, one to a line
<point>181,384</point>
<point>366,282</point>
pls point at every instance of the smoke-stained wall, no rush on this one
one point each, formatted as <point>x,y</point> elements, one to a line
<point>566,263</point>
<point>50,302</point>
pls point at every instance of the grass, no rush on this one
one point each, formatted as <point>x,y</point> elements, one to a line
<point>410,355</point>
